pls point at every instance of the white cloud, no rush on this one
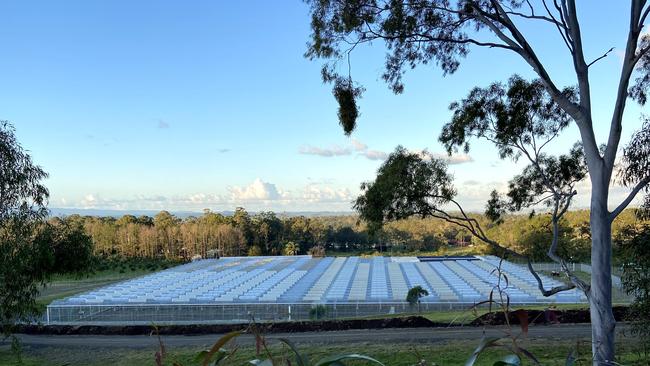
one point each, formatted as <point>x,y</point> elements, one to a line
<point>325,152</point>
<point>89,200</point>
<point>258,195</point>
<point>451,160</point>
<point>358,145</point>
<point>454,159</point>
<point>319,193</point>
<point>256,191</point>
<point>375,155</point>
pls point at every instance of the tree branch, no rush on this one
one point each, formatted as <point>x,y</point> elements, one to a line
<point>540,284</point>
<point>629,61</point>
<point>639,186</point>
<point>601,57</point>
<point>475,229</point>
<point>645,15</point>
<point>562,30</point>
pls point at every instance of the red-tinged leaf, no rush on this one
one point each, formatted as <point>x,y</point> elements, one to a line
<point>522,315</point>
<point>552,317</point>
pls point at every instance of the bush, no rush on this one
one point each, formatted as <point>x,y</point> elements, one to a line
<point>636,281</point>
<point>317,251</point>
<point>317,312</point>
<point>70,245</point>
<point>254,251</point>
<point>414,295</point>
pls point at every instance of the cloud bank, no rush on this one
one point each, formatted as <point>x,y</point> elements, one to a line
<point>359,148</point>
<point>258,195</point>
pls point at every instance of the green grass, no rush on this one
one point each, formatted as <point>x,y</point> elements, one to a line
<point>549,352</point>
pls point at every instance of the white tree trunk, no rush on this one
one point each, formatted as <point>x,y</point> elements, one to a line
<point>600,297</point>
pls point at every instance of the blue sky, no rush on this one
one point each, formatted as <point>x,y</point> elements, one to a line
<point>185,105</point>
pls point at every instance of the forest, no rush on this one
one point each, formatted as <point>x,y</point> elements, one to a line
<point>166,236</point>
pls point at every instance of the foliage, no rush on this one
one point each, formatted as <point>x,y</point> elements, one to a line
<point>531,235</point>
<point>25,261</point>
<point>636,162</point>
<point>291,248</point>
<point>407,184</point>
<point>25,268</point>
<point>635,250</point>
<point>219,354</point>
<point>72,248</point>
<point>254,251</point>
<point>442,32</point>
<point>123,264</point>
<point>318,312</point>
<point>415,294</point>
<point>137,237</point>
<point>520,119</point>
<point>317,251</point>
<point>512,115</point>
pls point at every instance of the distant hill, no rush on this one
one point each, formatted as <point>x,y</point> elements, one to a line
<point>55,211</point>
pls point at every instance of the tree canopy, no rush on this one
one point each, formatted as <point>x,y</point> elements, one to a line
<point>442,32</point>
<point>25,261</point>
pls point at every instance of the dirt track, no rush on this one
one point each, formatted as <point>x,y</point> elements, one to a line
<point>419,335</point>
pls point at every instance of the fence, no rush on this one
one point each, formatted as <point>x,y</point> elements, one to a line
<point>230,313</point>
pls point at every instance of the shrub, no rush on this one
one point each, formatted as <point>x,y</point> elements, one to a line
<point>317,251</point>
<point>415,294</point>
<point>254,251</point>
<point>318,312</point>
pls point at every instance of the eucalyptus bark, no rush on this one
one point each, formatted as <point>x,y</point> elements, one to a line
<point>600,295</point>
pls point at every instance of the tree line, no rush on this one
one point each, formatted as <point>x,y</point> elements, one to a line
<point>266,233</point>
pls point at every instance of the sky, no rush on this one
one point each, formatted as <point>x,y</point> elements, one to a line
<point>186,105</point>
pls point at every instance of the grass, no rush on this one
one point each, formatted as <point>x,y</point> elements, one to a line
<point>549,352</point>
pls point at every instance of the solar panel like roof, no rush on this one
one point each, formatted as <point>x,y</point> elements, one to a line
<point>303,279</point>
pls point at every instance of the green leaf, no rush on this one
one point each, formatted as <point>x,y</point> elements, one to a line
<point>486,342</point>
<point>528,354</point>
<point>572,357</point>
<point>301,360</point>
<point>201,356</point>
<point>218,345</point>
<point>336,360</point>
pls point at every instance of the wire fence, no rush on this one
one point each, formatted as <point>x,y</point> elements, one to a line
<point>237,313</point>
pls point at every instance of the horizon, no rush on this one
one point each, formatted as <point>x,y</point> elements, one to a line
<point>153,106</point>
<point>66,212</point>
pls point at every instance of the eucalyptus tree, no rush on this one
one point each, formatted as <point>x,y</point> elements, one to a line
<point>25,260</point>
<point>444,31</point>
